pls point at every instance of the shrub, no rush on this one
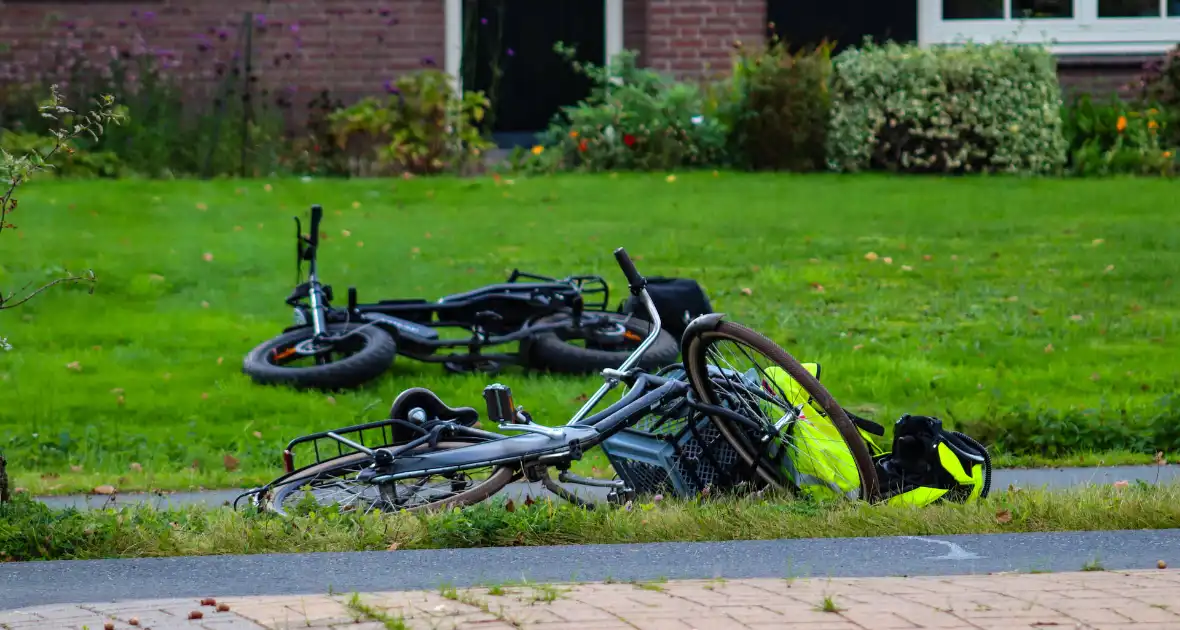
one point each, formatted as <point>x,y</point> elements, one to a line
<point>634,119</point>
<point>781,107</point>
<point>1117,139</point>
<point>974,108</point>
<point>420,128</point>
<point>1160,84</point>
<point>76,163</point>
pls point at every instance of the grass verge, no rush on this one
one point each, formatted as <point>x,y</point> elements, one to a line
<point>31,531</point>
<point>1036,315</point>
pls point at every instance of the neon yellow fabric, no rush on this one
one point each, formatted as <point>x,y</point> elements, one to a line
<point>919,496</point>
<point>824,467</point>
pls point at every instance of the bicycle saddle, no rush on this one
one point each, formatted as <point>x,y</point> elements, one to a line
<point>428,401</point>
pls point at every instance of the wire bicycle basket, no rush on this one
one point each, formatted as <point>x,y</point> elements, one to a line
<point>679,450</point>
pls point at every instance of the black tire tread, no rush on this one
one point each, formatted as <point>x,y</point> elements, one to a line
<point>547,351</point>
<point>352,371</point>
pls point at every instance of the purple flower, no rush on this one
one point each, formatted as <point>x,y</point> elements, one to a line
<point>428,61</point>
<point>222,34</point>
<point>260,19</point>
<point>295,27</point>
<point>384,12</point>
<point>483,21</point>
<point>122,23</point>
<point>390,88</point>
<point>70,26</point>
<point>147,15</point>
<point>511,53</point>
<point>393,22</point>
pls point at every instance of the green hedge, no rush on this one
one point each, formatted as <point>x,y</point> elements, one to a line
<point>978,108</point>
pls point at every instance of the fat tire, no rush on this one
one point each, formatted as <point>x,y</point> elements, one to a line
<point>500,477</point>
<point>369,363</point>
<point>547,351</point>
<point>697,371</point>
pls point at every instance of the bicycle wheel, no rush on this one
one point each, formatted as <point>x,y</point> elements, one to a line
<point>728,364</point>
<point>335,482</point>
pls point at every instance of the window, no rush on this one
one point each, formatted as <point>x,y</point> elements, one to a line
<point>1130,8</point>
<point>1040,9</point>
<point>972,9</point>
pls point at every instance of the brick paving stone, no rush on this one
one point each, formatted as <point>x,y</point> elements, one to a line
<point>1115,600</point>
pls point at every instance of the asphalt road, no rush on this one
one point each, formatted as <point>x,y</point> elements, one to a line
<point>39,583</point>
<point>1023,478</point>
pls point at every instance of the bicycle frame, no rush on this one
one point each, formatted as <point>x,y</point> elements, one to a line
<point>495,314</point>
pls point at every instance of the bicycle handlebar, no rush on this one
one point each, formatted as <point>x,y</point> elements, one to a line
<point>317,215</point>
<point>635,281</point>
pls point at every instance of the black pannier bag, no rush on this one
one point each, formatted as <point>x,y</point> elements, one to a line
<point>678,301</point>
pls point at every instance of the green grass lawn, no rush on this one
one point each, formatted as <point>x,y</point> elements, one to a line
<point>992,302</point>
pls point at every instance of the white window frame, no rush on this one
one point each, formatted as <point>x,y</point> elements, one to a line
<point>453,18</point>
<point>1083,34</point>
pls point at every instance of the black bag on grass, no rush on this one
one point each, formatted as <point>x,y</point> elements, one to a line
<point>678,301</point>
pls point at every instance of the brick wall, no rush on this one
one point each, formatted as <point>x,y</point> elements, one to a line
<point>350,46</point>
<point>1100,77</point>
<point>694,38</point>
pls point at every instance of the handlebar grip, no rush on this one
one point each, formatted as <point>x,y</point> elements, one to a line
<point>317,215</point>
<point>635,281</point>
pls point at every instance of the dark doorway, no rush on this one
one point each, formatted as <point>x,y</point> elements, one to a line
<point>843,22</point>
<point>516,37</point>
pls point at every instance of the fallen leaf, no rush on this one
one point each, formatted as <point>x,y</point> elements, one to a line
<point>814,261</point>
<point>260,226</point>
<point>268,188</point>
<point>204,304</point>
<point>204,395</point>
<point>155,277</point>
<point>716,174</point>
<point>331,400</point>
<point>392,546</point>
<point>1048,348</point>
<point>1098,241</point>
<point>415,250</point>
<point>906,268</point>
<point>1121,484</point>
<point>671,178</point>
<point>208,257</point>
<point>871,256</point>
<point>927,257</point>
<point>104,489</point>
<point>1012,298</point>
<point>510,506</point>
<point>887,260</point>
<point>231,462</point>
<point>258,434</point>
<point>136,467</point>
<point>426,235</point>
<point>76,469</point>
<point>1003,516</point>
<point>1161,564</point>
<point>1095,376</point>
<point>858,346</point>
<point>345,233</point>
<point>528,500</point>
<point>208,601</point>
<point>356,204</point>
<point>167,376</point>
<point>108,625</point>
<point>220,360</point>
<point>360,243</point>
<point>74,365</point>
<point>747,291</point>
<point>196,614</point>
<point>96,348</point>
<point>202,207</point>
<point>819,288</point>
<point>238,228</point>
<point>1109,268</point>
<point>223,608</point>
<point>120,400</point>
<point>954,257</point>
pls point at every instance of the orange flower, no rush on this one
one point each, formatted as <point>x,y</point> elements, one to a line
<point>1151,124</point>
<point>1167,155</point>
<point>1121,125</point>
<point>573,134</point>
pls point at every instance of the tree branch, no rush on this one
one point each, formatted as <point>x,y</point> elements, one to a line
<point>7,303</point>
